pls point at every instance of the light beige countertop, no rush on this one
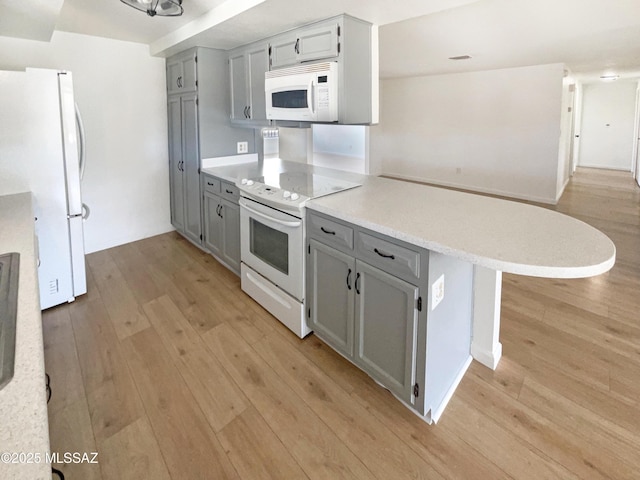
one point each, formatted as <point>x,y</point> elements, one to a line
<point>24,426</point>
<point>498,234</point>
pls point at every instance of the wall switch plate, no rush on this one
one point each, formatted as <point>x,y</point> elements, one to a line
<point>243,147</point>
<point>437,292</point>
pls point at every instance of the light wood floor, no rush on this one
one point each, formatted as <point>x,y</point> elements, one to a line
<point>169,371</point>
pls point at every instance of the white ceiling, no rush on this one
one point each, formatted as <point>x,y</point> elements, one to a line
<point>416,36</point>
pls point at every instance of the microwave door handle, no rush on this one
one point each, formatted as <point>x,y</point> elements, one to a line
<point>271,219</point>
<point>310,96</point>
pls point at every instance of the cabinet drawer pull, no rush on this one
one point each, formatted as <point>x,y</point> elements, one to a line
<point>385,255</point>
<point>228,191</point>
<point>357,285</point>
<point>328,232</point>
<point>349,280</point>
<point>210,184</point>
<point>297,45</point>
<point>249,111</point>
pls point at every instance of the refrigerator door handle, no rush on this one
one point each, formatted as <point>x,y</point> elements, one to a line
<point>82,152</point>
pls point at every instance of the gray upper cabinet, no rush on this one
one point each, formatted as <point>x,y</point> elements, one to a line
<point>246,69</point>
<point>222,221</point>
<point>318,42</point>
<point>386,329</point>
<point>239,92</point>
<point>184,164</point>
<point>181,74</point>
<point>283,50</point>
<point>331,296</point>
<point>306,44</point>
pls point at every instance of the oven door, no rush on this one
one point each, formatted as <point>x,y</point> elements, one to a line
<point>272,243</point>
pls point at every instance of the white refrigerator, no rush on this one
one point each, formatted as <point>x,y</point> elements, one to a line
<point>43,155</point>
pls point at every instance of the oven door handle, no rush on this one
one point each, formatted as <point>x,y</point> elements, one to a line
<point>271,219</point>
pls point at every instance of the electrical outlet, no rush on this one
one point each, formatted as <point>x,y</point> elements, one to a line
<point>437,292</point>
<point>243,147</point>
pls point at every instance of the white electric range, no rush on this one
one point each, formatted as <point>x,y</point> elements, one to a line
<point>272,237</point>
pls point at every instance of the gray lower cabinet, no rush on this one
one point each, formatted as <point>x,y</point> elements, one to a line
<point>386,329</point>
<point>366,314</point>
<point>222,229</point>
<point>212,224</point>
<point>369,296</point>
<point>332,295</point>
<point>184,162</point>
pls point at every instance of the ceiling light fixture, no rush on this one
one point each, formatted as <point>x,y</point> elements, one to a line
<point>163,8</point>
<point>461,57</point>
<point>609,77</point>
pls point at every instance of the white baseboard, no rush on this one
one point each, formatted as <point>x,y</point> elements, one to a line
<point>487,358</point>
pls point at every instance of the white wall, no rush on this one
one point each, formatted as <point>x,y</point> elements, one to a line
<point>493,131</point>
<point>566,136</point>
<point>608,115</point>
<point>120,90</point>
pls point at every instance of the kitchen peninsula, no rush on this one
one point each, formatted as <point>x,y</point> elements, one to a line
<point>439,255</point>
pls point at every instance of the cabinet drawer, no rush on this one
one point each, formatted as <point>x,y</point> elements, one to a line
<point>388,256</point>
<point>211,185</point>
<point>330,232</point>
<point>229,191</point>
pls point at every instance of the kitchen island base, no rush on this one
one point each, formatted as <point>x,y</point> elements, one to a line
<point>375,300</point>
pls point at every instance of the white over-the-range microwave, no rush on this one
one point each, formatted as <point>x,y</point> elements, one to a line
<point>304,93</point>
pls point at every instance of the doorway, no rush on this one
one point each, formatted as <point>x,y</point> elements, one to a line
<point>607,136</point>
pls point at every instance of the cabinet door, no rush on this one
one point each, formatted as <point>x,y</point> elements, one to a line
<point>191,167</point>
<point>212,223</point>
<point>189,78</point>
<point>230,234</point>
<point>175,163</point>
<point>386,329</point>
<point>258,61</point>
<point>238,82</point>
<point>174,76</point>
<point>331,295</point>
<point>318,42</point>
<point>284,51</point>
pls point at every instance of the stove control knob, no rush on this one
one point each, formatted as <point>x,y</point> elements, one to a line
<point>286,194</point>
<point>249,182</point>
<point>295,196</point>
<point>244,181</point>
